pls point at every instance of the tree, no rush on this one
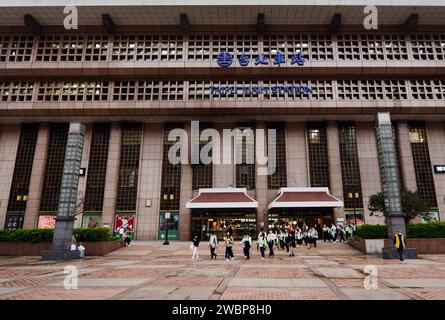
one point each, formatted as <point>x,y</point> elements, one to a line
<point>412,205</point>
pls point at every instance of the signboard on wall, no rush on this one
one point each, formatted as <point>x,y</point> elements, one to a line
<point>126,222</point>
<point>173,225</point>
<point>439,168</point>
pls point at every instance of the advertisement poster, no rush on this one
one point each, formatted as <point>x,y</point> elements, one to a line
<point>47,222</point>
<point>173,226</point>
<point>126,222</point>
<point>351,218</point>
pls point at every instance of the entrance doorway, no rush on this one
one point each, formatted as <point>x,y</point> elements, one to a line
<point>221,221</point>
<point>291,219</point>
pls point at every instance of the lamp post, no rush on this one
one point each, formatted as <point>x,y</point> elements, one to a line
<point>167,218</point>
<point>352,196</point>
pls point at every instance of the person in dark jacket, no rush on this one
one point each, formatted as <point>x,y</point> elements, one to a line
<point>195,245</point>
<point>399,243</point>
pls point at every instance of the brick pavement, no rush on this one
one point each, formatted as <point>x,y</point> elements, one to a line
<point>149,270</point>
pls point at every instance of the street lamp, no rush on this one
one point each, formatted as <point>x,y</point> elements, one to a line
<point>167,218</point>
<point>352,196</point>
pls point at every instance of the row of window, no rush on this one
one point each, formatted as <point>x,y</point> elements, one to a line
<point>202,173</point>
<point>273,90</point>
<point>205,47</point>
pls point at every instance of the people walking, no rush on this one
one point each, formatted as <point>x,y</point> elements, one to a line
<point>342,233</point>
<point>399,242</point>
<point>213,243</point>
<point>348,235</point>
<point>314,237</point>
<point>228,242</point>
<point>282,239</point>
<point>247,244</point>
<point>299,237</point>
<point>333,232</point>
<point>262,243</point>
<point>195,245</point>
<point>326,233</point>
<point>290,243</point>
<point>271,242</point>
<point>286,243</point>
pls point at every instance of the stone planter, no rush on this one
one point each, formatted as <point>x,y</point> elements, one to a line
<point>36,249</point>
<point>423,246</point>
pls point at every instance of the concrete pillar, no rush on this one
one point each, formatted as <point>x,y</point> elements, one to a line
<point>9,140</point>
<point>84,164</point>
<point>436,146</point>
<point>261,182</point>
<point>406,157</point>
<point>185,215</point>
<point>112,176</point>
<point>369,167</point>
<point>296,155</point>
<point>37,177</point>
<point>335,178</point>
<point>150,175</point>
<point>224,174</point>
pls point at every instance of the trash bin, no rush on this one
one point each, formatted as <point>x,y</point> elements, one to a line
<point>81,249</point>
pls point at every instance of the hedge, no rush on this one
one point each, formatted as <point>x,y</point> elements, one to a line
<point>46,235</point>
<point>420,230</point>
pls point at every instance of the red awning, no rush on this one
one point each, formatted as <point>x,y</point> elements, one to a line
<point>220,198</point>
<point>305,198</point>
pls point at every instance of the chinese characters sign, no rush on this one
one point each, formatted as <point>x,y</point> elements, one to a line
<point>225,59</point>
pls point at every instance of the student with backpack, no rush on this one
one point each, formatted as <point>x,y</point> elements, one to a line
<point>262,243</point>
<point>247,244</point>
<point>213,243</point>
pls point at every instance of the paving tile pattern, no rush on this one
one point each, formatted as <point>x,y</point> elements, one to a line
<point>149,270</point>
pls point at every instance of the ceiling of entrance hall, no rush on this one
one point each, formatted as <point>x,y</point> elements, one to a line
<point>126,12</point>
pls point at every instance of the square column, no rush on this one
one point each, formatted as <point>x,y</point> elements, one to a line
<point>335,178</point>
<point>147,220</point>
<point>84,164</point>
<point>261,189</point>
<point>9,140</point>
<point>369,167</point>
<point>112,176</point>
<point>296,155</point>
<point>436,138</point>
<point>185,215</point>
<point>37,177</point>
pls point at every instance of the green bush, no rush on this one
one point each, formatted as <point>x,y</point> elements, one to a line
<point>46,235</point>
<point>426,230</point>
<point>372,231</point>
<point>420,230</point>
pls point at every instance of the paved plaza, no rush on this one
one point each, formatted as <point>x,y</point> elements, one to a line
<point>149,270</point>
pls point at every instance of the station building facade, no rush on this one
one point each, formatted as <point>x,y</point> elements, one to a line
<point>269,67</point>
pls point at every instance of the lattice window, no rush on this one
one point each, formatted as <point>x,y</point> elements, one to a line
<point>207,46</point>
<point>54,167</point>
<point>349,161</point>
<point>129,167</point>
<point>318,155</point>
<point>372,90</point>
<point>97,167</point>
<point>348,46</point>
<point>422,162</point>
<point>312,46</point>
<point>54,48</point>
<point>146,90</point>
<point>279,178</point>
<point>245,148</point>
<point>67,91</point>
<point>148,48</point>
<point>21,178</point>
<point>17,91</point>
<point>428,46</point>
<point>200,90</point>
<point>395,47</point>
<point>171,174</point>
<point>428,89</point>
<point>16,48</point>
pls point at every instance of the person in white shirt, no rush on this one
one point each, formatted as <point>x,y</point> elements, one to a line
<point>247,244</point>
<point>262,243</point>
<point>334,233</point>
<point>299,237</point>
<point>271,242</point>
<point>213,243</point>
